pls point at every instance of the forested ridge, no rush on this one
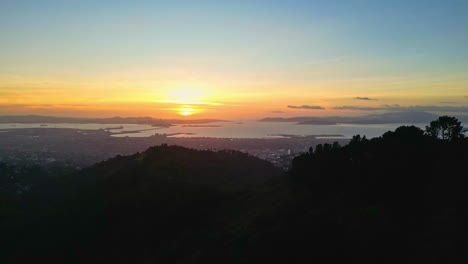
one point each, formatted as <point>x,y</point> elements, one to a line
<point>401,197</point>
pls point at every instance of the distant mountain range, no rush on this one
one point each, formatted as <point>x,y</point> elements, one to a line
<point>112,120</point>
<point>387,118</point>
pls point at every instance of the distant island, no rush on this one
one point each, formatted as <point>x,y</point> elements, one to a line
<point>200,126</point>
<point>305,136</point>
<point>387,118</point>
<point>29,119</point>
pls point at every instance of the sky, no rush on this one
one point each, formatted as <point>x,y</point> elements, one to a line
<point>232,59</point>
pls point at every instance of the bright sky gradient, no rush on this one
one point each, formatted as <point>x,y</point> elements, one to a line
<point>232,59</point>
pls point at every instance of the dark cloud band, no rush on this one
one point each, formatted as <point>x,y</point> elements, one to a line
<point>429,108</point>
<point>310,107</point>
<point>364,98</point>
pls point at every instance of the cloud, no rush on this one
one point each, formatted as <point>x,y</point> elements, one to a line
<point>40,105</point>
<point>359,108</point>
<point>190,102</point>
<point>448,102</point>
<point>419,108</point>
<point>278,112</point>
<point>310,107</point>
<point>364,98</point>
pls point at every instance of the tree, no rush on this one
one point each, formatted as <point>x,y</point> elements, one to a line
<point>357,140</point>
<point>445,128</point>
<point>408,134</point>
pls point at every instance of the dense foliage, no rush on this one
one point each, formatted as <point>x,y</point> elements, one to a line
<point>398,198</point>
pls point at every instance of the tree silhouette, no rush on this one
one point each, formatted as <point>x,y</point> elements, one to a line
<point>408,134</point>
<point>445,128</point>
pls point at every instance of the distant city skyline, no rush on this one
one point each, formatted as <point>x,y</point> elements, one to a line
<point>232,59</point>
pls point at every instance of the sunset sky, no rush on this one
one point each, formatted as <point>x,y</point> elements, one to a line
<point>232,59</point>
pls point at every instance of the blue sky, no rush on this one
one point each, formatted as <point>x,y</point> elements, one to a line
<point>261,45</point>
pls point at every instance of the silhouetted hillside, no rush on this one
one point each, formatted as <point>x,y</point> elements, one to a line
<point>399,198</point>
<point>163,204</point>
<point>224,169</point>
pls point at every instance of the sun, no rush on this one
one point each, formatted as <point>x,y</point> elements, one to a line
<point>185,113</point>
<point>187,110</point>
<point>189,100</point>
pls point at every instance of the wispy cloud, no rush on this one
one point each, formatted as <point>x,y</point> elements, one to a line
<point>364,98</point>
<point>41,105</point>
<point>278,112</point>
<point>360,108</point>
<point>25,105</point>
<point>191,102</point>
<point>310,107</point>
<point>422,108</point>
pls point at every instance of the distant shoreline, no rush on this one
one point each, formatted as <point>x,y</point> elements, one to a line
<point>252,129</point>
<point>33,119</point>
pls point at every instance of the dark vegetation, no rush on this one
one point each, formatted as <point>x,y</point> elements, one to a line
<point>399,198</point>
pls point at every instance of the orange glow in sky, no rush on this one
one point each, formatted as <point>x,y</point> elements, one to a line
<point>232,59</point>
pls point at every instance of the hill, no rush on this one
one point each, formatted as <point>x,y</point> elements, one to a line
<point>164,204</point>
<point>400,197</point>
